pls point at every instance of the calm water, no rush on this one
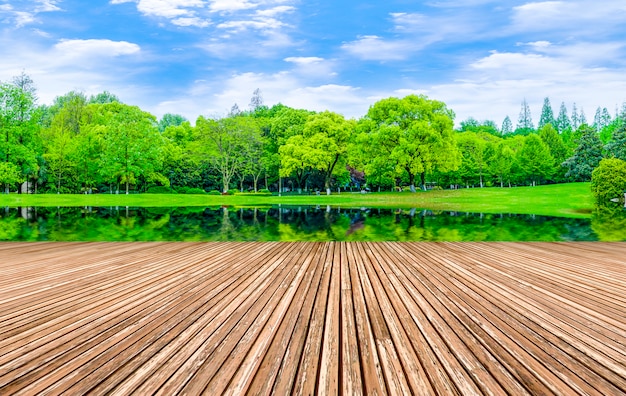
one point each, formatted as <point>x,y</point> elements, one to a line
<point>294,224</point>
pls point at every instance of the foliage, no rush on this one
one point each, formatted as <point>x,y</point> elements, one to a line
<point>414,134</point>
<point>608,180</point>
<point>563,122</point>
<point>547,115</point>
<point>160,190</point>
<point>586,157</point>
<point>617,146</point>
<point>525,121</point>
<point>507,126</point>
<point>535,160</point>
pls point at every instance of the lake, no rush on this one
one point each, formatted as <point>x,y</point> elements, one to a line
<point>294,223</point>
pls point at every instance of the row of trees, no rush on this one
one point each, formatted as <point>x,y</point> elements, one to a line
<point>87,144</point>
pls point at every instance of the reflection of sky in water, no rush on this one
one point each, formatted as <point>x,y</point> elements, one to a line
<point>295,223</point>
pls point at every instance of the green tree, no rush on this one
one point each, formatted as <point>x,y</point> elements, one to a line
<point>323,146</point>
<point>18,128</point>
<point>131,145</point>
<point>617,145</point>
<point>547,115</point>
<point>535,160</point>
<point>415,134</point>
<point>507,126</point>
<point>103,98</point>
<point>171,120</point>
<point>575,118</point>
<point>222,143</point>
<point>474,150</point>
<point>586,156</point>
<point>9,174</point>
<point>525,121</point>
<point>563,122</point>
<point>608,180</point>
<point>557,148</point>
<point>502,162</point>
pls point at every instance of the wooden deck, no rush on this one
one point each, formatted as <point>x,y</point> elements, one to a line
<point>306,318</point>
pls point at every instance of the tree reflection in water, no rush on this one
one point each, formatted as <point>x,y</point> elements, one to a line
<point>298,223</point>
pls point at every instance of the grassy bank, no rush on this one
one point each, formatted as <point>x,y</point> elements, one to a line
<point>566,200</point>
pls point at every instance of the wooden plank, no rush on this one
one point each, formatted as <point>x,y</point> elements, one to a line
<point>313,318</point>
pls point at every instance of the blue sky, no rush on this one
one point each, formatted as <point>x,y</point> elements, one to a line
<point>199,57</point>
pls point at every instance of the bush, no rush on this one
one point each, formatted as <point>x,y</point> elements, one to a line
<point>214,192</point>
<point>181,189</point>
<point>193,190</point>
<point>232,191</point>
<point>160,190</point>
<point>608,180</point>
<point>265,190</point>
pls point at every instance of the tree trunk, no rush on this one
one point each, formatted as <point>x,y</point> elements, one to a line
<point>423,180</point>
<point>126,187</point>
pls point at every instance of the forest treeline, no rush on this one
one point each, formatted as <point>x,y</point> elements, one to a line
<point>81,144</point>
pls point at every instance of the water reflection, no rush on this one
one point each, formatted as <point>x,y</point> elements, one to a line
<point>297,223</point>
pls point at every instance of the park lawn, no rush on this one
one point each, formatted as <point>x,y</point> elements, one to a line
<point>563,200</point>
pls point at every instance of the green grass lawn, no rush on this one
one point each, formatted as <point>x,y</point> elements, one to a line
<point>565,200</point>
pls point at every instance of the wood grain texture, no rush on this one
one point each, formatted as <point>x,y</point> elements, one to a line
<point>422,318</point>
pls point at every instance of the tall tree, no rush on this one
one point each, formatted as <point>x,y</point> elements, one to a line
<point>323,146</point>
<point>586,156</point>
<point>502,162</point>
<point>223,144</point>
<point>507,126</point>
<point>535,160</point>
<point>563,121</point>
<point>257,100</point>
<point>547,115</point>
<point>617,145</point>
<point>557,148</point>
<point>131,145</point>
<point>525,121</point>
<point>575,118</point>
<point>17,129</point>
<point>417,136</point>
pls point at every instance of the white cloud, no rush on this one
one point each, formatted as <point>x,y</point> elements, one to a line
<point>96,48</point>
<point>304,60</point>
<point>193,21</point>
<point>272,12</point>
<point>230,5</point>
<point>169,8</point>
<point>376,48</point>
<point>46,6</point>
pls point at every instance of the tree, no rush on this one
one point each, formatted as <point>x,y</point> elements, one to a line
<point>131,145</point>
<point>9,174</point>
<point>602,119</point>
<point>169,119</point>
<point>535,160</point>
<point>502,162</point>
<point>557,148</point>
<point>586,156</point>
<point>563,122</point>
<point>222,143</point>
<point>507,126</point>
<point>575,118</point>
<point>474,152</point>
<point>525,121</point>
<point>547,115</point>
<point>257,100</point>
<point>18,128</point>
<point>617,146</point>
<point>608,180</point>
<point>323,146</point>
<point>414,133</point>
<point>103,98</point>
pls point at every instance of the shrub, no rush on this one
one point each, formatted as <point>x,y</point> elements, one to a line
<point>608,180</point>
<point>181,189</point>
<point>232,191</point>
<point>265,190</point>
<point>194,190</point>
<point>160,190</point>
<point>214,192</point>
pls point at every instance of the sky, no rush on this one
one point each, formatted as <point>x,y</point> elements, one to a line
<point>199,57</point>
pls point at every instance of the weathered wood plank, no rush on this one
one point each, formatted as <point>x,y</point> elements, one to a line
<point>313,318</point>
